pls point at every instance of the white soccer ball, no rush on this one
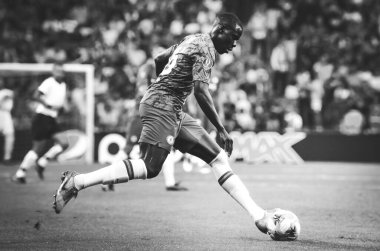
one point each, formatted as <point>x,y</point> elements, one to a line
<point>286,227</point>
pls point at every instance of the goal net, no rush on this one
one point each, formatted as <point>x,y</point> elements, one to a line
<point>24,79</point>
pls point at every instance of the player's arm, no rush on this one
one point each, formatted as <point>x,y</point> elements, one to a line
<point>39,96</point>
<point>204,99</point>
<point>163,58</point>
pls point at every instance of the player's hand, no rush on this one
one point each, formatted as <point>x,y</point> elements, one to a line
<point>226,141</point>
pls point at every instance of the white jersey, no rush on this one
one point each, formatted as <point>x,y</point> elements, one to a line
<point>54,96</point>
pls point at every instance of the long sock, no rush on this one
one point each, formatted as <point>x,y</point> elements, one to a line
<point>43,161</point>
<point>53,151</point>
<point>232,184</point>
<point>168,170</point>
<point>118,172</point>
<point>51,154</point>
<point>28,161</point>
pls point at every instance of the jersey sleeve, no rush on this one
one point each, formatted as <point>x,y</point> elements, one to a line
<point>202,68</point>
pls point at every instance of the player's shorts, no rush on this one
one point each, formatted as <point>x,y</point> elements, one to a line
<point>6,123</point>
<point>163,129</point>
<point>43,127</point>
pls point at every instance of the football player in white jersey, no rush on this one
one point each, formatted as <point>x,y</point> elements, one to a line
<point>51,95</point>
<point>6,123</point>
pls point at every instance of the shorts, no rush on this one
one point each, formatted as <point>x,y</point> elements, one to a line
<point>43,127</point>
<point>163,129</point>
<point>6,123</point>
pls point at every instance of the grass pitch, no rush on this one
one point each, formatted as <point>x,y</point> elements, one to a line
<point>338,205</point>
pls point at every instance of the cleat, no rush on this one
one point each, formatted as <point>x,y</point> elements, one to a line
<point>108,188</point>
<point>66,191</point>
<point>18,180</point>
<point>176,187</point>
<point>40,171</point>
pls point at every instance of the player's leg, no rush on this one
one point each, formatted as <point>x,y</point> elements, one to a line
<point>41,134</point>
<point>29,160</point>
<point>195,140</point>
<point>168,172</point>
<point>72,142</point>
<point>53,147</point>
<point>154,148</point>
<point>149,166</point>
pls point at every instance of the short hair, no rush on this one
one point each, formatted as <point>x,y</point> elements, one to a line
<point>58,63</point>
<point>229,20</point>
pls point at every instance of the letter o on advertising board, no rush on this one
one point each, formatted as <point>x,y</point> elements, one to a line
<point>111,148</point>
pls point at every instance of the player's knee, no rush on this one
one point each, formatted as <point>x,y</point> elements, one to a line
<point>220,164</point>
<point>220,159</point>
<point>153,170</point>
<point>154,157</point>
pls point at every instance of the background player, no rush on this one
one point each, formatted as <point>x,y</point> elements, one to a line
<point>51,95</point>
<point>186,67</point>
<point>6,123</point>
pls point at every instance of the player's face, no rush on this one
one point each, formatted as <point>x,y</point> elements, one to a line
<point>227,39</point>
<point>58,72</point>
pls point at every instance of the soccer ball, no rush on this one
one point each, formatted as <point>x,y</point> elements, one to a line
<point>286,225</point>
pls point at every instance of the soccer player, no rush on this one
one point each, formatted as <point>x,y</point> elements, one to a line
<point>145,76</point>
<point>183,67</point>
<point>51,95</point>
<point>6,123</point>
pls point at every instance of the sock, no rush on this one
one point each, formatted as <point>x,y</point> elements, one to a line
<point>168,170</point>
<point>53,151</point>
<point>42,161</point>
<point>186,165</point>
<point>118,172</point>
<point>51,154</point>
<point>29,160</point>
<point>20,173</point>
<point>232,184</point>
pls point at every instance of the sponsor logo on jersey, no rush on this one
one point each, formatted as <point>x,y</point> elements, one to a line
<point>207,63</point>
<point>170,140</point>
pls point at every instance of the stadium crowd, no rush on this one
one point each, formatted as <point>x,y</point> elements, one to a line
<point>301,65</point>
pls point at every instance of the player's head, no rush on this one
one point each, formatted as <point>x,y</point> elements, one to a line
<point>226,31</point>
<point>58,72</point>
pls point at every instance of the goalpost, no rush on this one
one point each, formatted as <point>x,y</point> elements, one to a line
<point>86,69</point>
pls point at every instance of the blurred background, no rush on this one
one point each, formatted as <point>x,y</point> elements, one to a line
<point>301,66</point>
